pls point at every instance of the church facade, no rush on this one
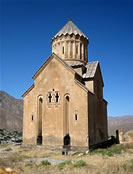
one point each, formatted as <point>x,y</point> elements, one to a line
<point>65,104</point>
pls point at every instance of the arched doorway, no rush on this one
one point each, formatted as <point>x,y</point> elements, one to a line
<point>66,139</point>
<point>40,108</point>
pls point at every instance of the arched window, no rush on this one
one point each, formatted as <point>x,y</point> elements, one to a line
<point>32,117</point>
<point>40,100</point>
<point>67,98</point>
<point>76,117</point>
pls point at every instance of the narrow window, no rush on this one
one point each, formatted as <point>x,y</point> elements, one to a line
<point>32,117</point>
<point>76,49</point>
<point>40,99</point>
<point>50,97</point>
<point>57,97</point>
<point>67,98</point>
<point>62,50</point>
<point>76,117</point>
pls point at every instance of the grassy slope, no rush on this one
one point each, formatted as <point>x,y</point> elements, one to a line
<point>117,159</point>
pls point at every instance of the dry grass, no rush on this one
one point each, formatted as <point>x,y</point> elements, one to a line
<point>128,146</point>
<point>114,150</point>
<point>98,162</point>
<point>3,163</point>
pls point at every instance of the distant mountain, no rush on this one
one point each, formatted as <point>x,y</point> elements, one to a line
<point>11,112</point>
<point>125,123</point>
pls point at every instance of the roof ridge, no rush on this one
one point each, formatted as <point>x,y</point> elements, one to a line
<point>94,62</point>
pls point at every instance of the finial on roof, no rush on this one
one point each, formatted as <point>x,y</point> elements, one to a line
<point>69,28</point>
<point>70,15</point>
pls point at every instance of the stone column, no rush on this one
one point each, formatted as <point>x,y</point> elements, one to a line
<point>69,49</point>
<point>86,53</point>
<point>57,48</point>
<point>121,137</point>
<point>66,48</point>
<point>52,49</point>
<point>82,51</point>
<point>74,50</point>
<point>60,50</point>
<point>79,50</point>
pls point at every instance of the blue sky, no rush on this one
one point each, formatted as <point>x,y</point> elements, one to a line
<point>26,30</point>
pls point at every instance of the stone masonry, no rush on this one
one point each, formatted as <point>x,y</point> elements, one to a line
<point>65,104</point>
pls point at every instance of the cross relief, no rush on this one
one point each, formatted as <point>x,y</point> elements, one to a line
<point>53,97</point>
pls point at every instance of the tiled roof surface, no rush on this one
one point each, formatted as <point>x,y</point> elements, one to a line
<point>91,69</point>
<point>70,28</point>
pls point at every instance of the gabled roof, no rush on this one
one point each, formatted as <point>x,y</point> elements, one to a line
<point>28,90</point>
<point>70,28</point>
<point>91,69</point>
<point>65,64</point>
<point>48,60</point>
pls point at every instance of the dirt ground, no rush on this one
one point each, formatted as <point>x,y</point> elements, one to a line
<point>38,160</point>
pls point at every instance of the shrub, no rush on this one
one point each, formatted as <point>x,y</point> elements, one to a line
<point>80,163</point>
<point>131,161</point>
<point>63,164</point>
<point>110,151</point>
<point>28,165</point>
<point>45,163</point>
<point>8,149</point>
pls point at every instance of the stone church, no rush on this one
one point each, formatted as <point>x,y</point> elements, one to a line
<point>65,104</point>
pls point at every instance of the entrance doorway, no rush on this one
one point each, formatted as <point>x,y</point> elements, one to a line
<point>66,140</point>
<point>40,105</point>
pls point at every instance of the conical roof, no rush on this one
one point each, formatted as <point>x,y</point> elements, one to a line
<point>70,28</point>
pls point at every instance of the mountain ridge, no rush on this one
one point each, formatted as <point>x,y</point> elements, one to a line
<point>11,116</point>
<point>125,123</point>
<point>11,112</point>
